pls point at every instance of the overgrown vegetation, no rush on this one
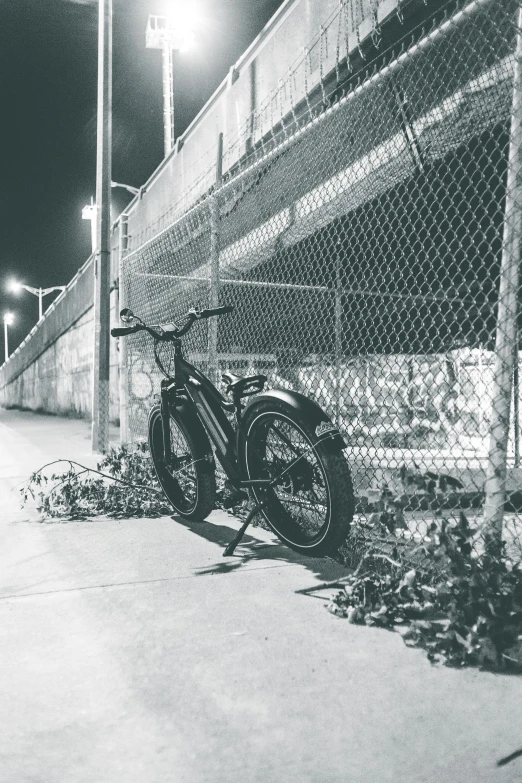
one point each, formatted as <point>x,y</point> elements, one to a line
<point>462,606</point>
<point>124,485</point>
<point>410,490</point>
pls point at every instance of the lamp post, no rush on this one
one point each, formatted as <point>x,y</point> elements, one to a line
<point>102,253</point>
<point>170,34</point>
<point>8,320</point>
<point>16,287</point>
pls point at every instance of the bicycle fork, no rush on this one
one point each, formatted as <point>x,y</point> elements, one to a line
<point>165,421</point>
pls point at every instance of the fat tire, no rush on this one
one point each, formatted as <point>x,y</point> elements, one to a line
<point>336,472</point>
<point>204,472</point>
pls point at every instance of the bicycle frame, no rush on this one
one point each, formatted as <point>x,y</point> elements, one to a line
<point>191,385</point>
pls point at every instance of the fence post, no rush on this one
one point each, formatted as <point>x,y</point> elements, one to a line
<point>516,406</point>
<point>123,344</point>
<point>213,364</point>
<point>506,331</point>
<point>338,327</point>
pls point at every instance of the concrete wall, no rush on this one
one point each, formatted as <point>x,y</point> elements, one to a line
<point>59,380</point>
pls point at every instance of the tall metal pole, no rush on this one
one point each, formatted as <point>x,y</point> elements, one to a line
<point>40,311</point>
<point>6,343</point>
<point>168,96</point>
<point>102,256</point>
<point>506,331</point>
<point>214,266</point>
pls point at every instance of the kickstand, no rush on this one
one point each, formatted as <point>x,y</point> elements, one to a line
<point>230,548</point>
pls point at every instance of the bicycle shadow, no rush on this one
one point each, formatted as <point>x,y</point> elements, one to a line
<point>260,549</point>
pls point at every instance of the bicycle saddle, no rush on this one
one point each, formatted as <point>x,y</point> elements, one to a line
<point>251,384</point>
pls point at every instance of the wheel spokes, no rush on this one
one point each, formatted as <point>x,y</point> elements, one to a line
<point>290,457</point>
<point>182,471</point>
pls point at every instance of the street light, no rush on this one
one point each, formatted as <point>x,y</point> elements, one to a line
<point>170,33</point>
<point>8,320</point>
<point>89,210</point>
<point>130,188</point>
<point>89,213</point>
<point>16,287</point>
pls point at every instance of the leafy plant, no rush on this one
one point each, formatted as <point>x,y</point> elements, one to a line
<point>411,489</point>
<point>124,486</point>
<point>462,608</point>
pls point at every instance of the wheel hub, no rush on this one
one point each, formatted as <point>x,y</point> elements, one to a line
<point>299,477</point>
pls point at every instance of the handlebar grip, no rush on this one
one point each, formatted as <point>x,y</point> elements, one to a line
<point>217,311</point>
<point>121,331</point>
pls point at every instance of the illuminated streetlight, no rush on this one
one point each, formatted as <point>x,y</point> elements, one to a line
<point>89,213</point>
<point>89,210</point>
<point>171,33</point>
<point>15,287</point>
<point>8,320</point>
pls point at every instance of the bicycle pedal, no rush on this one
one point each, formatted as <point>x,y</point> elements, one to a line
<point>234,498</point>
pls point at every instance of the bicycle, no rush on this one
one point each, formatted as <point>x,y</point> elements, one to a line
<point>280,449</point>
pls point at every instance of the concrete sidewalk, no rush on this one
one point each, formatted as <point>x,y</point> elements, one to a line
<point>133,651</point>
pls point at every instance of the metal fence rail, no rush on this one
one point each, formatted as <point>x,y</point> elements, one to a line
<point>363,247</point>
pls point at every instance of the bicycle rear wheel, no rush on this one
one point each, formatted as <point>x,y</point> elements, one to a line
<point>310,506</point>
<point>188,482</point>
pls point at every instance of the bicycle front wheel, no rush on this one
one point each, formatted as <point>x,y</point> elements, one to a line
<point>310,505</point>
<point>188,482</point>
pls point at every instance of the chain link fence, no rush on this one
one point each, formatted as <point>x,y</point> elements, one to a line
<point>369,243</point>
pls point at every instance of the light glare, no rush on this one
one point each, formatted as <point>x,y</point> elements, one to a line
<point>184,18</point>
<point>89,211</point>
<point>8,318</point>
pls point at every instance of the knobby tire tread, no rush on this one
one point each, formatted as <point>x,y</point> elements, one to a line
<point>205,477</point>
<point>339,482</point>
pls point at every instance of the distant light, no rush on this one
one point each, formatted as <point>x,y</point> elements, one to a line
<point>188,41</point>
<point>185,18</point>
<point>89,212</point>
<point>14,286</point>
<point>8,318</point>
<point>175,30</point>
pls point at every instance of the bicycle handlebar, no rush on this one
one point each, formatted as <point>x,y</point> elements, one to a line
<point>170,331</point>
<point>216,311</point>
<point>121,331</point>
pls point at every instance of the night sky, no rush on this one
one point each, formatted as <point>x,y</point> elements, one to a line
<point>48,91</point>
